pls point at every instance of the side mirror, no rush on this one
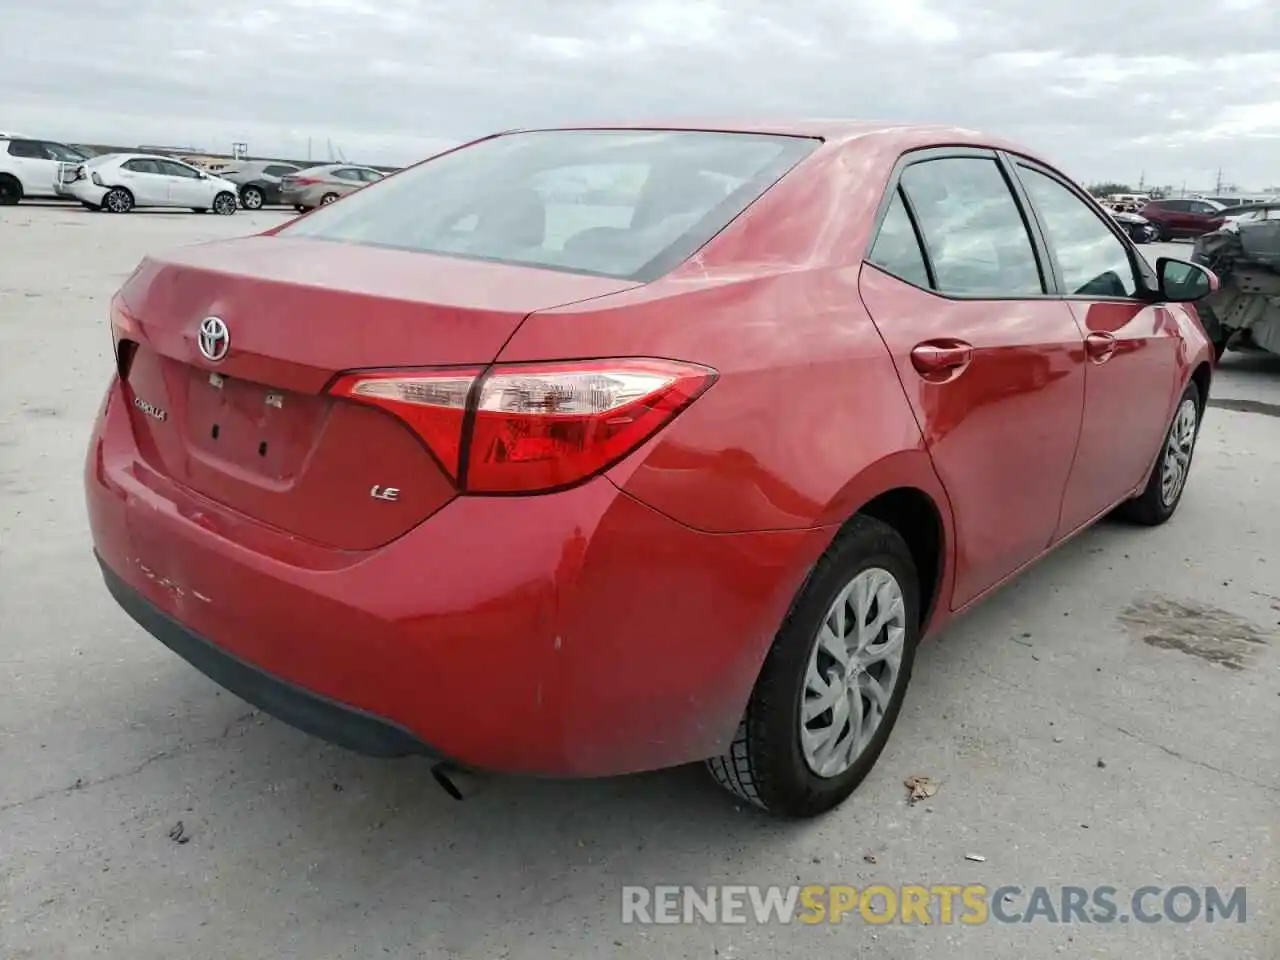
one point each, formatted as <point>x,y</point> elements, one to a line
<point>1183,282</point>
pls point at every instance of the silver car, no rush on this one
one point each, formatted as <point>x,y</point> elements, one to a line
<point>317,186</point>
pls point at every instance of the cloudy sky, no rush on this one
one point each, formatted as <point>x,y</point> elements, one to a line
<point>1174,89</point>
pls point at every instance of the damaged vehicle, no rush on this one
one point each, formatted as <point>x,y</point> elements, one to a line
<point>1245,254</point>
<point>1138,227</point>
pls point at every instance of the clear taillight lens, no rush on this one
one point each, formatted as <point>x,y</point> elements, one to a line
<point>533,428</point>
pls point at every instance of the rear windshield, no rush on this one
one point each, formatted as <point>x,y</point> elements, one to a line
<point>617,203</point>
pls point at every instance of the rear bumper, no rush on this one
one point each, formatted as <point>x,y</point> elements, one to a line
<point>300,197</point>
<point>335,722</point>
<point>574,634</point>
<point>86,191</point>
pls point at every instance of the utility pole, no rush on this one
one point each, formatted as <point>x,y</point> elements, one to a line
<point>1217,190</point>
<point>1142,181</point>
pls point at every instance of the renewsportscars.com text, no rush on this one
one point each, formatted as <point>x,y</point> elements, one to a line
<point>945,904</point>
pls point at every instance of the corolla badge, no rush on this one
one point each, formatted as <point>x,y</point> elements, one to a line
<point>214,338</point>
<point>150,409</point>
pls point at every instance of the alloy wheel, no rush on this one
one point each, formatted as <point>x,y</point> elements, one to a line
<point>119,201</point>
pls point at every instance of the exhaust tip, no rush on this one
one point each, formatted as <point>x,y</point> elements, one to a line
<point>457,783</point>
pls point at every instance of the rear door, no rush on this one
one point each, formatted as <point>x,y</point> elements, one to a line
<point>35,168</point>
<point>991,361</point>
<point>344,180</point>
<point>1179,220</point>
<point>146,181</point>
<point>1131,344</point>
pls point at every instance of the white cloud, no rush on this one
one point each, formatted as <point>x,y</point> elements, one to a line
<point>1107,90</point>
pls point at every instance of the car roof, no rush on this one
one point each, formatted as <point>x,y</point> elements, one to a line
<point>904,135</point>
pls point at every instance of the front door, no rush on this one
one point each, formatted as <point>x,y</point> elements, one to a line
<point>186,187</point>
<point>1132,372</point>
<point>992,365</point>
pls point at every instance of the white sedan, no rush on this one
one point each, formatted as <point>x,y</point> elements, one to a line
<point>119,182</point>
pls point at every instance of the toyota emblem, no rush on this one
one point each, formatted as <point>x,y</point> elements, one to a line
<point>215,338</point>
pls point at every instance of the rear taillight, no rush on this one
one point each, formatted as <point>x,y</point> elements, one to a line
<point>533,428</point>
<point>124,336</point>
<point>302,181</point>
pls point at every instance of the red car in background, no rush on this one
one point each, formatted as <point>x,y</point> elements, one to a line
<point>669,449</point>
<point>1183,219</point>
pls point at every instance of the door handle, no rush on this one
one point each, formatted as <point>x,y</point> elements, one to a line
<point>1100,346</point>
<point>935,359</point>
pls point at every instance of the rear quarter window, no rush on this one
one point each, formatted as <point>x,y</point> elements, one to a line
<point>630,204</point>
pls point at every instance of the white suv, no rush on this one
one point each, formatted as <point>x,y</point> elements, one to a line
<point>34,168</point>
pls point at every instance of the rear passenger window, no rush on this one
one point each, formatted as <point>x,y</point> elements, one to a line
<point>27,149</point>
<point>897,249</point>
<point>1093,260</point>
<point>977,240</point>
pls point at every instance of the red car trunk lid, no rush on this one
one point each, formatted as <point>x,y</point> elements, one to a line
<point>255,429</point>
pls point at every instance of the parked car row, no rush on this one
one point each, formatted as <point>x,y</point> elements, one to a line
<point>266,182</point>
<point>120,182</point>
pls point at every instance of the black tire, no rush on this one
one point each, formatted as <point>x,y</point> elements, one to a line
<point>10,190</point>
<point>117,200</point>
<point>252,197</point>
<point>225,204</point>
<point>327,199</point>
<point>1152,507</point>
<point>1162,234</point>
<point>300,208</point>
<point>765,764</point>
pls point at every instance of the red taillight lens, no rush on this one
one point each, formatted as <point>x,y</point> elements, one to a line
<point>302,181</point>
<point>543,427</point>
<point>531,428</point>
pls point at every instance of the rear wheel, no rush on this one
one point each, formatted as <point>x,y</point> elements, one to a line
<point>1163,492</point>
<point>328,198</point>
<point>833,682</point>
<point>252,198</point>
<point>117,200</point>
<point>10,190</point>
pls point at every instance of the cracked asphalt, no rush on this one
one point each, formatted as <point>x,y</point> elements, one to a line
<point>1111,718</point>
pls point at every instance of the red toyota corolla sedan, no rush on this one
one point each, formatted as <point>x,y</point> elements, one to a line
<point>586,451</point>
